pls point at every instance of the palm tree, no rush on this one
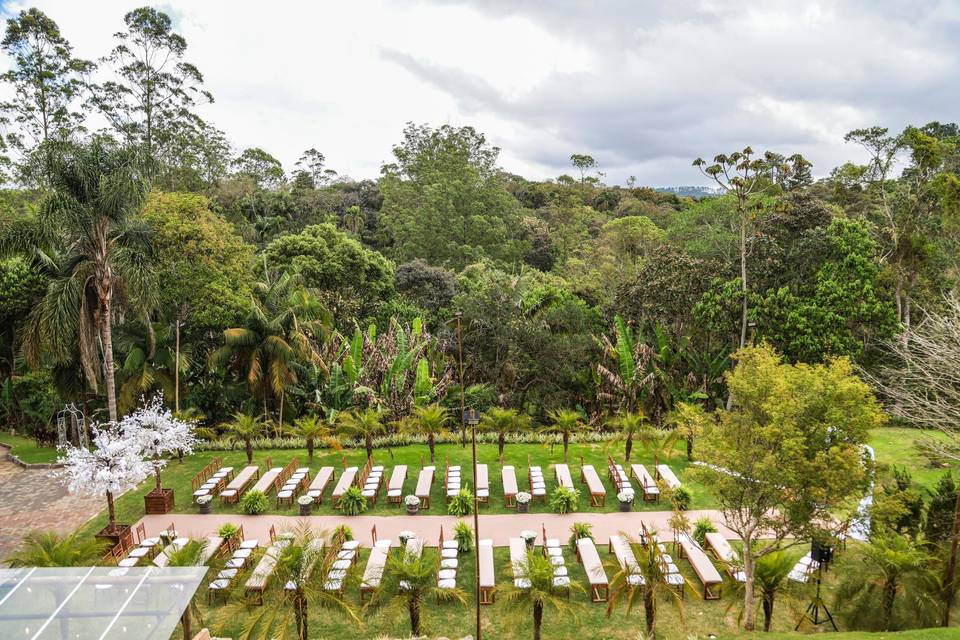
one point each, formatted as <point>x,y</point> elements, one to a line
<point>409,580</point>
<point>245,428</point>
<point>149,363</point>
<point>276,338</point>
<point>51,549</point>
<point>629,424</point>
<point>85,233</point>
<point>770,578</point>
<point>503,421</point>
<point>645,590</point>
<point>878,577</point>
<point>622,378</point>
<point>311,428</point>
<point>365,424</point>
<point>565,422</point>
<point>541,594</point>
<point>431,420</point>
<point>303,565</point>
<point>657,441</point>
<point>688,420</point>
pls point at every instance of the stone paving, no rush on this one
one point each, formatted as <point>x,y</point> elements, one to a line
<point>37,499</point>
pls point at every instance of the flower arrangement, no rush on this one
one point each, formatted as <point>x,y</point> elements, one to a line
<point>406,536</point>
<point>411,501</point>
<point>304,501</point>
<point>523,497</point>
<point>202,500</point>
<point>528,536</point>
<point>626,495</point>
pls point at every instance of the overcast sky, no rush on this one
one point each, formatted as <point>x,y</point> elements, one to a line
<point>644,87</point>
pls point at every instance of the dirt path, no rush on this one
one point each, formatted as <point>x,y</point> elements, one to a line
<point>36,499</point>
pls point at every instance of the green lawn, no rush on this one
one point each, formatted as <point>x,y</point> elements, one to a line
<point>27,450</point>
<point>898,446</point>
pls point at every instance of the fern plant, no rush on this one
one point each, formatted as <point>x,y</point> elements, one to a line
<point>701,528</point>
<point>227,530</point>
<point>342,533</point>
<point>564,500</point>
<point>353,503</point>
<point>578,531</point>
<point>461,504</point>
<point>681,499</point>
<point>253,503</point>
<point>463,534</point>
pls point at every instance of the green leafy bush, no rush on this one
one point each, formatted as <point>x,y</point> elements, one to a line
<point>353,503</point>
<point>228,530</point>
<point>701,528</point>
<point>463,534</point>
<point>461,504</point>
<point>254,503</point>
<point>342,533</point>
<point>564,500</point>
<point>681,499</point>
<point>580,530</point>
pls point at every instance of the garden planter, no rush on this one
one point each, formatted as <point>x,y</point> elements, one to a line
<point>305,509</point>
<point>530,542</point>
<point>523,507</point>
<point>412,511</point>
<point>204,507</point>
<point>626,506</point>
<point>121,533</point>
<point>158,501</point>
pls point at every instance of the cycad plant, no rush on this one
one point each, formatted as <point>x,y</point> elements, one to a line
<point>245,428</point>
<point>540,596</point>
<point>365,424</point>
<point>51,549</point>
<point>770,580</point>
<point>409,580</point>
<point>566,423</point>
<point>642,585</point>
<point>503,421</point>
<point>87,236</point>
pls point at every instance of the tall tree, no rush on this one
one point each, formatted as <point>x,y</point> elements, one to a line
<point>261,167</point>
<point>788,454</point>
<point>155,90</point>
<point>583,163</point>
<point>88,222</point>
<point>46,80</point>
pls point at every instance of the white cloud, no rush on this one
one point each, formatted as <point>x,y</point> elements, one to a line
<point>643,86</point>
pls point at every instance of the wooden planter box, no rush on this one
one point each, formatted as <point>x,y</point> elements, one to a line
<point>158,502</point>
<point>120,533</point>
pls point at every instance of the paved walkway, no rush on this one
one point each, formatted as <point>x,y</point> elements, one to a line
<point>500,527</point>
<point>36,499</point>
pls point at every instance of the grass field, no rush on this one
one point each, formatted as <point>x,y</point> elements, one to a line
<point>898,446</point>
<point>27,450</point>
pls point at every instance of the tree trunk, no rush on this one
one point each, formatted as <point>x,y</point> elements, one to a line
<point>111,512</point>
<point>951,577</point>
<point>650,609</point>
<point>310,448</point>
<point>743,273</point>
<point>301,615</point>
<point>414,608</point>
<point>280,423</point>
<point>767,611</point>
<point>501,442</point>
<point>369,446</point>
<point>566,445</point>
<point>156,470</point>
<point>749,601</point>
<point>186,622</point>
<point>249,447</point>
<point>889,597</point>
<point>432,443</point>
<point>176,365</point>
<point>537,619</point>
<point>689,448</point>
<point>628,448</point>
<point>106,333</point>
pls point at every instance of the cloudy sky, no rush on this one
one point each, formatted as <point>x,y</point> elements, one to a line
<point>643,86</point>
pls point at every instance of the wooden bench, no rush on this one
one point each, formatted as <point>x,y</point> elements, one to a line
<point>487,578</point>
<point>319,483</point>
<point>268,481</point>
<point>238,486</point>
<point>598,493</point>
<point>482,482</point>
<point>424,486</point>
<point>596,576</point>
<point>726,555</point>
<point>373,572</point>
<point>260,577</point>
<point>347,479</point>
<point>651,492</point>
<point>621,549</point>
<point>709,576</point>
<point>518,563</point>
<point>395,487</point>
<point>669,478</point>
<point>564,479</point>
<point>510,490</point>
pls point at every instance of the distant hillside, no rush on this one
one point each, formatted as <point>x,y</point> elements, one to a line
<point>693,192</point>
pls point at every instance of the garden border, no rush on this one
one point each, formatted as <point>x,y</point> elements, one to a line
<point>27,465</point>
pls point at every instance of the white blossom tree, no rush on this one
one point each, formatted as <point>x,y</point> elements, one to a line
<point>114,465</point>
<point>158,434</point>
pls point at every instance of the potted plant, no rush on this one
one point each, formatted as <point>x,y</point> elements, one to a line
<point>227,531</point>
<point>254,502</point>
<point>204,503</point>
<point>523,502</point>
<point>463,534</point>
<point>564,500</point>
<point>413,505</point>
<point>405,536</point>
<point>306,505</point>
<point>625,498</point>
<point>530,537</point>
<point>353,503</point>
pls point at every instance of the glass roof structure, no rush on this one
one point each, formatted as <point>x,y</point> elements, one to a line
<point>95,603</point>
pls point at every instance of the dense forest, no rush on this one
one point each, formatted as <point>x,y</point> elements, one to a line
<point>231,283</point>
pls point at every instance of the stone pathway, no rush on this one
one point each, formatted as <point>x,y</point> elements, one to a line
<point>500,527</point>
<point>36,499</point>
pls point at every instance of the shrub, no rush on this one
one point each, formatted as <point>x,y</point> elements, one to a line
<point>461,504</point>
<point>353,503</point>
<point>254,503</point>
<point>342,534</point>
<point>228,530</point>
<point>701,528</point>
<point>463,534</point>
<point>580,530</point>
<point>564,500</point>
<point>681,499</point>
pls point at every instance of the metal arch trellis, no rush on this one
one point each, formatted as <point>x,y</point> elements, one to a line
<point>71,427</point>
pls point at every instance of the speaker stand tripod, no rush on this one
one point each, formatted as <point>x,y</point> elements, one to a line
<point>816,606</point>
